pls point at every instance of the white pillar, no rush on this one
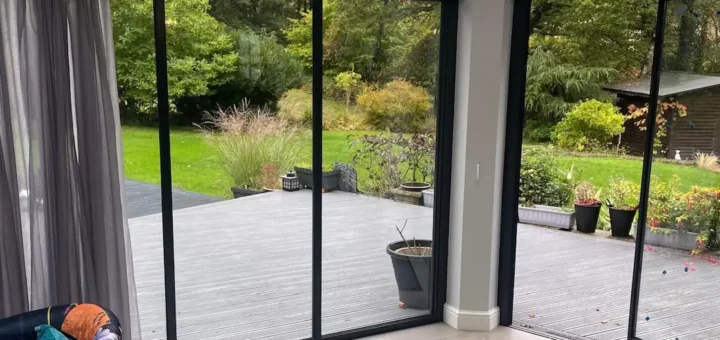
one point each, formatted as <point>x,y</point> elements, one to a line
<point>483,57</point>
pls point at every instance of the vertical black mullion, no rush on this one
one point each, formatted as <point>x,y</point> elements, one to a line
<point>317,159</point>
<point>647,166</point>
<point>443,155</point>
<point>165,169</point>
<point>514,124</point>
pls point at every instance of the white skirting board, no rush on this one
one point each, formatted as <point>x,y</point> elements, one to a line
<point>467,320</point>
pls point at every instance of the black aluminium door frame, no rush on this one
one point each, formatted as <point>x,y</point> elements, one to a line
<point>445,107</point>
<point>513,154</point>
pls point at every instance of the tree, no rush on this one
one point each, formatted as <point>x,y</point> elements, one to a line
<point>200,53</point>
<point>373,38</point>
<point>271,16</point>
<point>614,34</point>
<point>554,88</point>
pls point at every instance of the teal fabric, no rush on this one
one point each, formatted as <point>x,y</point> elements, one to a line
<point>47,332</point>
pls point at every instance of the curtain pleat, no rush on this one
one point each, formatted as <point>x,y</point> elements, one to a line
<point>63,161</point>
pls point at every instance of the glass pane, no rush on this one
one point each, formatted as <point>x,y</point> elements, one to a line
<point>379,151</point>
<point>679,265</point>
<point>243,265</point>
<point>579,182</point>
<point>141,157</point>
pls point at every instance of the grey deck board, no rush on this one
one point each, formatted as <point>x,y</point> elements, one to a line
<point>143,199</point>
<point>243,267</point>
<point>243,271</point>
<point>579,285</point>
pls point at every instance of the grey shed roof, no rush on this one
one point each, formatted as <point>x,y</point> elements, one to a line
<point>671,83</point>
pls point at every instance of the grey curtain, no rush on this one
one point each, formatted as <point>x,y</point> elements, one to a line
<point>63,234</point>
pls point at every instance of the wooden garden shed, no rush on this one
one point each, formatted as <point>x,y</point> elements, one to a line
<point>699,131</point>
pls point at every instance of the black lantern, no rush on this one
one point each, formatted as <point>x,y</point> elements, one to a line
<point>290,182</point>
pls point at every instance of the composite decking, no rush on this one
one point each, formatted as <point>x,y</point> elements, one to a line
<point>243,266</point>
<point>143,199</point>
<point>244,272</point>
<point>578,286</point>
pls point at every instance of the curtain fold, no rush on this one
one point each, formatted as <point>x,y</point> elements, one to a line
<point>60,151</point>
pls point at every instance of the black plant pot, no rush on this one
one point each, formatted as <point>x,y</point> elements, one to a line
<point>621,221</point>
<point>242,192</point>
<point>330,179</point>
<point>586,217</point>
<point>412,274</point>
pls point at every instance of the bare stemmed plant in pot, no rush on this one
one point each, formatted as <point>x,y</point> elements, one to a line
<point>622,202</point>
<point>418,153</point>
<point>412,263</point>
<point>587,207</point>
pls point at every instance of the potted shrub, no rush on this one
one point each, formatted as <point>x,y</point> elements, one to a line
<point>622,203</point>
<point>587,207</point>
<point>330,176</point>
<point>545,192</point>
<point>418,152</point>
<point>412,264</point>
<point>689,221</point>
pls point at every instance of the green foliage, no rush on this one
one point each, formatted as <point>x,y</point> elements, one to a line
<point>258,15</point>
<point>398,106</point>
<point>553,87</point>
<point>663,199</point>
<point>537,131</point>
<point>541,181</point>
<point>623,193</point>
<point>379,39</point>
<point>308,165</point>
<point>389,159</point>
<point>348,82</point>
<point>200,53</point>
<point>296,107</point>
<point>696,211</point>
<point>251,142</point>
<point>265,69</point>
<point>589,126</point>
<point>379,157</point>
<point>616,34</point>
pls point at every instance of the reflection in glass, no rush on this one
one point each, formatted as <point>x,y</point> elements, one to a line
<point>684,211</point>
<point>379,153</point>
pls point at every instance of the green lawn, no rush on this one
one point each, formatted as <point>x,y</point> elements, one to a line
<point>598,170</point>
<point>195,165</point>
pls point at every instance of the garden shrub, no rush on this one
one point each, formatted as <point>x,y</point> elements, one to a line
<point>541,180</point>
<point>538,132</point>
<point>696,211</point>
<point>295,107</point>
<point>398,106</point>
<point>392,158</point>
<point>590,126</point>
<point>253,144</point>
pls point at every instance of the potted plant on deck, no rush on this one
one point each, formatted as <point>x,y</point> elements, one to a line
<point>622,201</point>
<point>587,207</point>
<point>412,264</point>
<point>330,176</point>
<point>418,153</point>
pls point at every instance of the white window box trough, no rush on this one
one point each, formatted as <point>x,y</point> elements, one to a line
<point>670,238</point>
<point>547,216</point>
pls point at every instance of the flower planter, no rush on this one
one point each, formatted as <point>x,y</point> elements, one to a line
<point>429,197</point>
<point>587,217</point>
<point>670,238</point>
<point>547,216</point>
<point>242,192</point>
<point>415,186</point>
<point>330,179</point>
<point>412,274</point>
<point>621,222</point>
